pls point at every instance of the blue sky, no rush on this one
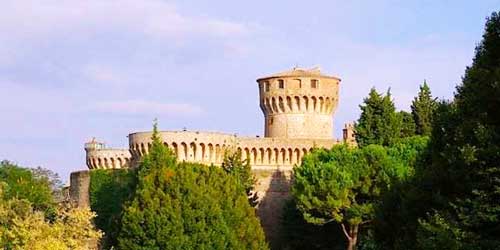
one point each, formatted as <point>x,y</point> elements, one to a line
<point>73,70</point>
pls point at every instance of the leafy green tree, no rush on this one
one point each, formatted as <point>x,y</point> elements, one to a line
<point>24,228</point>
<point>187,206</point>
<point>407,124</point>
<point>22,183</point>
<point>344,185</point>
<point>422,109</point>
<point>379,122</point>
<point>234,165</point>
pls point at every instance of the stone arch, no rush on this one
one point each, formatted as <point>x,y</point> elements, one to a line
<point>274,105</point>
<point>269,156</point>
<point>304,152</point>
<point>267,104</point>
<point>282,159</point>
<point>281,104</point>
<point>165,144</point>
<point>193,151</point>
<point>321,104</point>
<point>217,153</point>
<point>143,149</point>
<point>275,156</point>
<point>99,162</point>
<point>184,151</point>
<point>261,156</point>
<point>289,103</point>
<point>290,156</point>
<point>175,149</point>
<point>94,163</point>
<point>305,103</point>
<point>211,155</point>
<point>112,160</point>
<point>314,103</point>
<point>120,162</point>
<point>253,154</point>
<point>246,155</point>
<point>106,164</point>
<point>297,156</point>
<point>203,152</point>
<point>297,103</point>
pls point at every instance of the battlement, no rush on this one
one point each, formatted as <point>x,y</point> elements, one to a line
<point>299,103</point>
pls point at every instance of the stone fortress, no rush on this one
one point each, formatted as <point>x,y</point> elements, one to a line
<point>298,107</point>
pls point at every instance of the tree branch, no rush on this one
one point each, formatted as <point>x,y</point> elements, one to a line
<point>345,232</point>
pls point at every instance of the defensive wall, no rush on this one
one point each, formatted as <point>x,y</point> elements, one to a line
<point>298,107</point>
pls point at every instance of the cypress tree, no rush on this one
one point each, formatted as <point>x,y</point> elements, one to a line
<point>465,147</point>
<point>187,206</point>
<point>379,123</point>
<point>422,109</point>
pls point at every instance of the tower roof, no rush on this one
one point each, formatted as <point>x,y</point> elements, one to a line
<point>300,72</point>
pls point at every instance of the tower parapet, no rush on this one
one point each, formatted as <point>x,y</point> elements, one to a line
<point>98,156</point>
<point>299,103</point>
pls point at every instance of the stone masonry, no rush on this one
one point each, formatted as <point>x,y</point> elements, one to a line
<point>298,107</point>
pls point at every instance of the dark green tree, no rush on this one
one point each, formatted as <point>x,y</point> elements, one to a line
<point>467,146</point>
<point>422,109</point>
<point>234,165</point>
<point>379,122</point>
<point>344,185</point>
<point>407,124</point>
<point>187,206</point>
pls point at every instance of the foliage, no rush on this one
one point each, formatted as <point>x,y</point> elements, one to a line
<point>379,123</point>
<point>452,203</point>
<point>422,110</point>
<point>467,146</point>
<point>23,228</point>
<point>345,184</point>
<point>407,124</point>
<point>298,234</point>
<point>22,183</point>
<point>109,191</point>
<point>187,206</point>
<point>242,171</point>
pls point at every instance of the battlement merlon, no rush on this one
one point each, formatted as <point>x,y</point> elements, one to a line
<point>299,103</point>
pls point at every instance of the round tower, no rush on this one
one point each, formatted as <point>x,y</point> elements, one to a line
<point>299,103</point>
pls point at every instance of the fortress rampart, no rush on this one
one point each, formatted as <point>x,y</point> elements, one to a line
<point>298,107</point>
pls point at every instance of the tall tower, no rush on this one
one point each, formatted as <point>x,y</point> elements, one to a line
<point>299,104</point>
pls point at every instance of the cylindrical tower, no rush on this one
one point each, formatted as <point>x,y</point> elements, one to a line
<point>299,104</point>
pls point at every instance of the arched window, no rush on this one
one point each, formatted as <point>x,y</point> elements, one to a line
<point>267,86</point>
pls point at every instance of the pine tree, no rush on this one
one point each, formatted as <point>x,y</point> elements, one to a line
<point>422,109</point>
<point>379,122</point>
<point>465,169</point>
<point>187,206</point>
<point>407,124</point>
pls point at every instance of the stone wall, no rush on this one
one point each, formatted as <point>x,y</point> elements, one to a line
<point>79,188</point>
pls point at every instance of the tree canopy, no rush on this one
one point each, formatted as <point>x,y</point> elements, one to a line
<point>378,123</point>
<point>422,110</point>
<point>187,206</point>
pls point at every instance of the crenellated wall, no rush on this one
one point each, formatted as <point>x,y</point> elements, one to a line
<point>108,158</point>
<point>209,147</point>
<point>298,104</point>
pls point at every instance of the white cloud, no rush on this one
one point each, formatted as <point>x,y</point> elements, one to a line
<point>156,18</point>
<point>138,107</point>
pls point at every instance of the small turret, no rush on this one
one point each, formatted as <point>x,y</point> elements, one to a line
<point>94,145</point>
<point>348,134</point>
